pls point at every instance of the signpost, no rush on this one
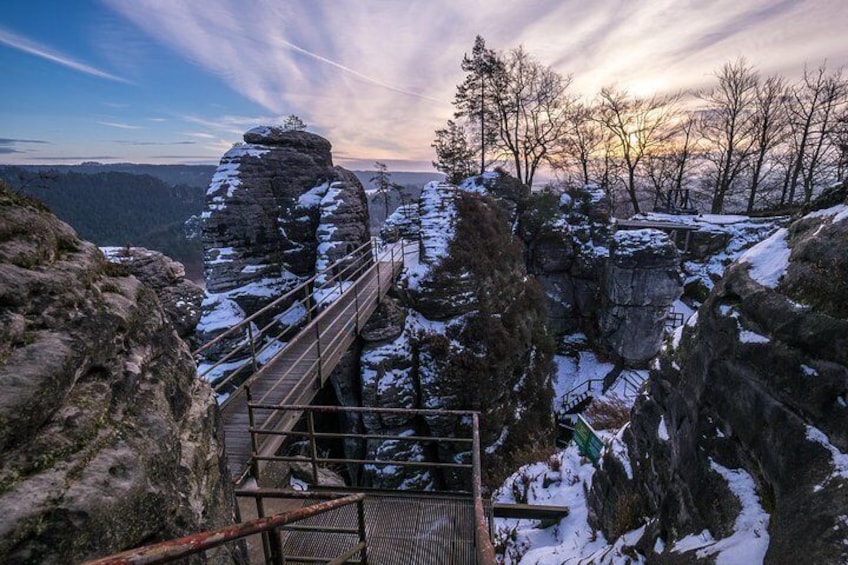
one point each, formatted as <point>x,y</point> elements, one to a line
<point>587,441</point>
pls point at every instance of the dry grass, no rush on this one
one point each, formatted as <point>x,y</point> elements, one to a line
<point>609,413</point>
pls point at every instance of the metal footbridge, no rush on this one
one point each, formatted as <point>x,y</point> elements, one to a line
<point>269,369</point>
<point>284,353</point>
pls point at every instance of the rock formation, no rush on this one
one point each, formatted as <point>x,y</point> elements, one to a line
<point>567,246</point>
<point>641,282</point>
<point>180,297</point>
<point>277,211</point>
<point>467,332</point>
<point>741,443</point>
<point>107,439</point>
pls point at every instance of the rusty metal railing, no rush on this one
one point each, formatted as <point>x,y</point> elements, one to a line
<point>483,546</point>
<point>171,550</point>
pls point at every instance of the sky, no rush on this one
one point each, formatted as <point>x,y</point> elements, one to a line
<point>179,81</point>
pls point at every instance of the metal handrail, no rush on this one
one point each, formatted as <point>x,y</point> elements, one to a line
<point>482,541</point>
<point>277,301</point>
<point>356,264</point>
<point>485,552</point>
<point>319,321</point>
<point>171,550</point>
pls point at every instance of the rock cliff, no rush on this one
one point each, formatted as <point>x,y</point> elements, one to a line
<point>466,332</point>
<point>107,439</point>
<point>641,281</point>
<point>277,211</point>
<point>740,450</point>
<point>566,241</point>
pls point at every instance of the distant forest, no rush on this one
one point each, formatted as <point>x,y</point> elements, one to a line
<point>148,205</point>
<point>120,208</point>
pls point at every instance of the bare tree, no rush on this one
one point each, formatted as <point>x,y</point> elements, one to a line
<point>638,126</point>
<point>768,127</point>
<point>581,142</point>
<point>667,167</point>
<point>813,107</point>
<point>727,125</point>
<point>532,109</point>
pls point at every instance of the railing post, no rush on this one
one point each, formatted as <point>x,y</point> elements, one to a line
<point>269,547</point>
<point>318,349</point>
<point>360,513</point>
<point>252,346</point>
<point>356,302</point>
<point>306,303</point>
<point>378,281</point>
<point>313,448</point>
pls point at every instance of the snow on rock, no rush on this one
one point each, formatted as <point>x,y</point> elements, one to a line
<point>836,213</point>
<point>769,259</point>
<point>750,539</point>
<point>840,460</point>
<point>557,482</point>
<point>662,429</point>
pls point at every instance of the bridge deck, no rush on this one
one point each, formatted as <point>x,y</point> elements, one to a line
<point>301,368</point>
<point>399,529</point>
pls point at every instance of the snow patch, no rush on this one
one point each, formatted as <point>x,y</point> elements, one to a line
<point>840,460</point>
<point>769,259</point>
<point>747,336</point>
<point>662,430</point>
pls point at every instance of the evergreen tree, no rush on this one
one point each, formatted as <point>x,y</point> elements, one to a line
<point>382,181</point>
<point>454,155</point>
<point>474,97</point>
<point>294,123</point>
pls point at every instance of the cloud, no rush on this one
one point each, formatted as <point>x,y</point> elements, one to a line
<point>120,125</point>
<point>28,46</point>
<point>10,141</point>
<point>7,145</point>
<point>145,143</point>
<point>377,78</point>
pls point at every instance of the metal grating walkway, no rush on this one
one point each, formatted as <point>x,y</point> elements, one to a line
<point>399,530</point>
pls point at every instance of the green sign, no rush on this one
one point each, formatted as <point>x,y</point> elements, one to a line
<point>587,441</point>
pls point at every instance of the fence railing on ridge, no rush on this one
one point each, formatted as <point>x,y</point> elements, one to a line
<point>261,336</point>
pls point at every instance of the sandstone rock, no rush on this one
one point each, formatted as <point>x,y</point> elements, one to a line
<point>277,211</point>
<point>566,245</point>
<point>755,390</point>
<point>326,477</point>
<point>107,439</point>
<point>181,298</point>
<point>404,222</point>
<point>642,281</point>
<point>386,322</point>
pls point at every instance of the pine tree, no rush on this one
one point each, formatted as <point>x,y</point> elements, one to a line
<point>474,100</point>
<point>454,155</point>
<point>384,185</point>
<point>294,123</point>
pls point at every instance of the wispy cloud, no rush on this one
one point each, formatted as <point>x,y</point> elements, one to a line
<point>8,145</point>
<point>120,125</point>
<point>146,143</point>
<point>378,77</point>
<point>28,46</point>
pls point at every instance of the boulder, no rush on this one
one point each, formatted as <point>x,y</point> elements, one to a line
<point>107,439</point>
<point>277,212</point>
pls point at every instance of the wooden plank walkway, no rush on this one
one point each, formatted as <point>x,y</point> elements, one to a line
<point>302,367</point>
